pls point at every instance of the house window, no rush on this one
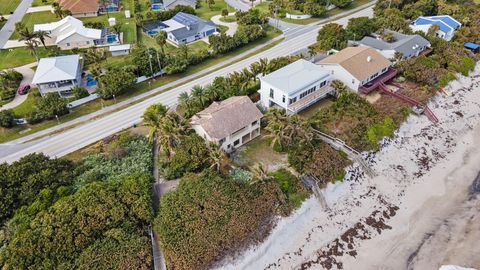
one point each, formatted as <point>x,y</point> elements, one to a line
<point>88,42</point>
<point>221,141</point>
<point>353,80</point>
<point>229,146</point>
<point>292,100</point>
<point>254,122</point>
<point>68,44</point>
<point>322,84</point>
<point>283,98</point>
<point>235,143</point>
<point>271,93</point>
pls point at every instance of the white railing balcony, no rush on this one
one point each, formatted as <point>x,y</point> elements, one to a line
<point>310,99</point>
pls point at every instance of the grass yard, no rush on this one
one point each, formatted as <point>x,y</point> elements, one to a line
<point>259,151</point>
<point>30,19</point>
<point>37,3</point>
<point>27,106</point>
<point>129,26</point>
<point>206,13</point>
<point>230,19</point>
<point>18,57</point>
<point>264,8</point>
<point>7,6</point>
<point>310,111</point>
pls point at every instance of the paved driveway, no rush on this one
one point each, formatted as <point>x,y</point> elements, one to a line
<point>9,27</point>
<point>27,73</point>
<point>232,27</point>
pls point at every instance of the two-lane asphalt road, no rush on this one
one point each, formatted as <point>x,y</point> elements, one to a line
<point>80,136</point>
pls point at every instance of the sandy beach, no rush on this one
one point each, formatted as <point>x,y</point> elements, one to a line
<point>421,211</point>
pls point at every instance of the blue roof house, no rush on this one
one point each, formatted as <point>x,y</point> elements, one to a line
<point>447,25</point>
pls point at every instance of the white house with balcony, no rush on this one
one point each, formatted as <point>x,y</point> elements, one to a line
<point>295,87</point>
<point>58,74</point>
<point>229,123</point>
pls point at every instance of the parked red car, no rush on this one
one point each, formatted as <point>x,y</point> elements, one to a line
<point>23,89</point>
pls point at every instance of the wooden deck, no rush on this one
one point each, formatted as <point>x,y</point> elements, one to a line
<point>385,77</point>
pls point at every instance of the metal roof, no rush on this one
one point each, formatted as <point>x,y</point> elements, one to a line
<point>445,22</point>
<point>295,76</point>
<point>405,44</point>
<point>56,69</point>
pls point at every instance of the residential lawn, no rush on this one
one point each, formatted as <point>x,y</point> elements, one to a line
<point>27,106</point>
<point>259,151</point>
<point>313,109</point>
<point>30,19</point>
<point>207,13</point>
<point>37,3</point>
<point>129,26</point>
<point>264,7</point>
<point>7,6</point>
<point>16,57</point>
<point>230,19</point>
<point>11,134</point>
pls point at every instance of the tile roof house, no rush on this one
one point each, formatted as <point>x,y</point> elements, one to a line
<point>69,33</point>
<point>58,74</point>
<point>447,25</point>
<point>295,86</point>
<point>229,123</point>
<point>358,66</point>
<point>184,28</point>
<point>407,45</point>
<point>89,8</point>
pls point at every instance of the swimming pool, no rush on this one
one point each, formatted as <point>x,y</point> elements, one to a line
<point>152,33</point>
<point>91,81</point>
<point>111,38</point>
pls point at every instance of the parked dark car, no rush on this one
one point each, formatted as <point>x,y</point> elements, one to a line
<point>23,89</point>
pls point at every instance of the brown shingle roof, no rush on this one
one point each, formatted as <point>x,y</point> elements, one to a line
<point>223,118</point>
<point>361,62</point>
<point>79,6</point>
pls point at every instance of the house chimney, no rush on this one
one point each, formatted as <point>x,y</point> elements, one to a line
<point>369,59</point>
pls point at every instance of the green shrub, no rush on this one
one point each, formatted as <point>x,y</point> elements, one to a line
<point>208,216</point>
<point>7,118</point>
<point>80,92</point>
<point>377,131</point>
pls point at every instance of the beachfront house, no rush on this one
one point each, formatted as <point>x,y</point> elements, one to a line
<point>58,74</point>
<point>70,33</point>
<point>184,28</point>
<point>229,123</point>
<point>295,87</point>
<point>446,25</point>
<point>406,46</point>
<point>89,8</point>
<point>359,68</point>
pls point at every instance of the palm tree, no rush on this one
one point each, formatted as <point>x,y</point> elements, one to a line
<point>255,69</point>
<point>117,29</point>
<point>263,65</point>
<point>32,46</point>
<point>198,93</point>
<point>184,50</point>
<point>59,11</point>
<point>172,129</point>
<point>259,173</point>
<point>216,157</point>
<point>338,86</point>
<point>161,39</point>
<point>212,93</point>
<point>152,119</point>
<point>277,124</point>
<point>41,35</point>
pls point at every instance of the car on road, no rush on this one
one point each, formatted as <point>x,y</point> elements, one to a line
<point>23,89</point>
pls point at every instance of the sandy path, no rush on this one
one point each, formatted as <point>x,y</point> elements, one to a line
<point>417,214</point>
